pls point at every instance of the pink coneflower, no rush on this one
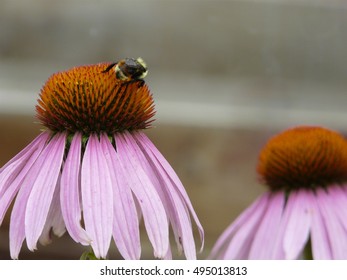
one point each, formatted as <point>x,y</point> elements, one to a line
<point>304,214</point>
<point>93,172</point>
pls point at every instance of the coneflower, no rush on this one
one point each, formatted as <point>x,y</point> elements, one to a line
<point>93,172</point>
<point>304,213</point>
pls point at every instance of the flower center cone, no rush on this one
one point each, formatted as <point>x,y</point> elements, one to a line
<point>304,157</point>
<point>89,99</point>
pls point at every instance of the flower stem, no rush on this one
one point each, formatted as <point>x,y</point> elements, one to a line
<point>88,255</point>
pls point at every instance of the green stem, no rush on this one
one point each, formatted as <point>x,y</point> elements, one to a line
<point>88,255</point>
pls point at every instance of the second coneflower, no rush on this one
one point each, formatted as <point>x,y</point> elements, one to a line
<point>93,172</point>
<point>303,215</point>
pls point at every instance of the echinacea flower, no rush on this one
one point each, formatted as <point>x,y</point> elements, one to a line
<point>93,172</point>
<point>304,213</point>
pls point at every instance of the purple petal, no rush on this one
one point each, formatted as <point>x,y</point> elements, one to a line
<point>168,255</point>
<point>17,230</point>
<point>126,224</point>
<point>43,189</point>
<point>154,215</point>
<point>338,197</point>
<point>297,219</point>
<point>319,237</point>
<point>174,204</point>
<point>70,192</point>
<point>236,240</point>
<point>97,197</point>
<point>26,152</point>
<point>17,225</point>
<point>336,232</point>
<point>54,219</point>
<point>176,185</point>
<point>13,175</point>
<point>263,243</point>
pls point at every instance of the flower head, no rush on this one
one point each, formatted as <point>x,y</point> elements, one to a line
<point>89,100</point>
<point>305,169</point>
<point>93,172</point>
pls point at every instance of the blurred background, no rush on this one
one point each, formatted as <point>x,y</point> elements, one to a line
<point>226,76</point>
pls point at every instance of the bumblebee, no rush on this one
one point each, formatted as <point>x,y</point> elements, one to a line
<point>129,69</point>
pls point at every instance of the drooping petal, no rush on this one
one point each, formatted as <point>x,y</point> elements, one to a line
<point>156,221</point>
<point>335,231</point>
<point>236,240</point>
<point>263,243</point>
<point>43,189</point>
<point>179,218</point>
<point>97,197</point>
<point>13,175</point>
<point>168,255</point>
<point>338,197</point>
<point>70,192</point>
<point>174,204</point>
<point>17,228</point>
<point>320,243</point>
<point>156,156</point>
<point>54,221</point>
<point>17,225</point>
<point>24,154</point>
<point>126,231</point>
<point>296,223</point>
